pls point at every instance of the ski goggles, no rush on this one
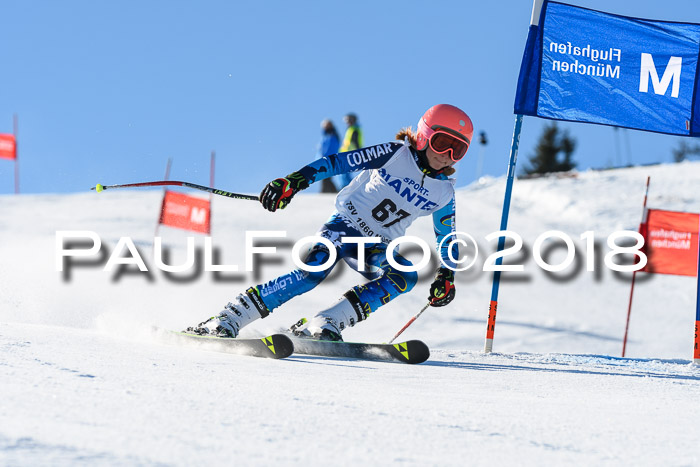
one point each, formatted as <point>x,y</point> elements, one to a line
<point>441,142</point>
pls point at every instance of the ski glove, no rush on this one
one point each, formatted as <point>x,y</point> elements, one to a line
<point>278,193</point>
<point>442,290</point>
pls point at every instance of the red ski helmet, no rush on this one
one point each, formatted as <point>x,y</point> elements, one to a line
<point>445,118</point>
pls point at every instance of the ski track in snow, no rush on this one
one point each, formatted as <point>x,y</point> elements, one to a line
<point>83,382</point>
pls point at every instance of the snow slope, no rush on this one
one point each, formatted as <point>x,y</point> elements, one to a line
<point>83,382</point>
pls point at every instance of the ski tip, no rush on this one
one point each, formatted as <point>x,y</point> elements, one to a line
<point>412,352</point>
<point>279,345</point>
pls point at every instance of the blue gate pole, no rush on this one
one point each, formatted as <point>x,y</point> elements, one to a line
<point>491,323</point>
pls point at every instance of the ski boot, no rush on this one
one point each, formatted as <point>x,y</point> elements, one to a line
<point>328,333</point>
<point>330,323</point>
<point>244,310</point>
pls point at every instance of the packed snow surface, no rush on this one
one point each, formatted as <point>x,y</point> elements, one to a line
<point>82,381</point>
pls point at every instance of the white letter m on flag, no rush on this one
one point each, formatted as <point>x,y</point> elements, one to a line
<point>198,216</point>
<point>672,73</point>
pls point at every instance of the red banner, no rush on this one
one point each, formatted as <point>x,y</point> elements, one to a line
<point>8,147</point>
<point>671,242</point>
<point>185,212</point>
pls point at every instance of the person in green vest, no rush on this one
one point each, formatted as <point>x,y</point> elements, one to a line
<point>353,135</point>
<point>351,141</point>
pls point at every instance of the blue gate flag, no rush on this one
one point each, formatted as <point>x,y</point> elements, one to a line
<point>584,65</point>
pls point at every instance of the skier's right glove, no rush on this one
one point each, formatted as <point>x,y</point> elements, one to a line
<point>278,193</point>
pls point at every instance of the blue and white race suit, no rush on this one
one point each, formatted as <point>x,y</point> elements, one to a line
<point>382,201</point>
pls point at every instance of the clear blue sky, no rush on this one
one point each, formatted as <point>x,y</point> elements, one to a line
<point>106,92</point>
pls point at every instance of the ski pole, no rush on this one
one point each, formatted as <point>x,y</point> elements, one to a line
<point>410,321</point>
<point>215,191</point>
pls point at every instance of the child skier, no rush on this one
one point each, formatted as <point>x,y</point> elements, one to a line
<point>399,182</point>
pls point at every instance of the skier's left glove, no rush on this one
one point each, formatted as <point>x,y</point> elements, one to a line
<point>442,290</point>
<point>278,193</point>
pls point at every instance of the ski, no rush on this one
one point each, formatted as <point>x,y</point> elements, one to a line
<point>273,346</point>
<point>413,351</point>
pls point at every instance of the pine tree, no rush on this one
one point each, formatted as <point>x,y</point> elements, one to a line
<point>546,158</point>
